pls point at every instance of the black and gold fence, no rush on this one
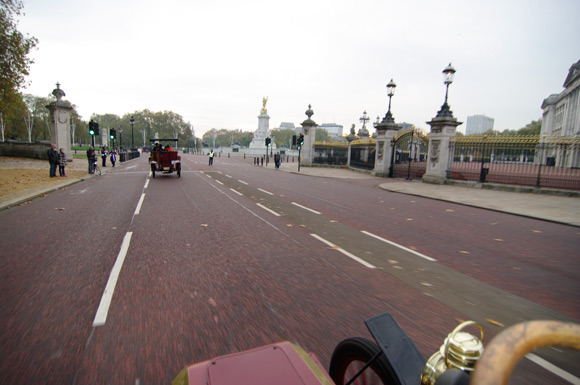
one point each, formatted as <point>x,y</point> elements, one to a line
<point>552,162</point>
<point>331,154</point>
<point>362,154</point>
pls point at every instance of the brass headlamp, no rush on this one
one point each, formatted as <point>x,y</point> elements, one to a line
<point>460,350</point>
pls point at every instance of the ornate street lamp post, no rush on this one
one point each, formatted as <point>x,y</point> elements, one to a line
<point>448,74</point>
<point>390,91</point>
<point>364,119</point>
<point>132,142</point>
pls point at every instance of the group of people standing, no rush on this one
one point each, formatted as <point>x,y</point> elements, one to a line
<point>56,158</point>
<point>92,157</point>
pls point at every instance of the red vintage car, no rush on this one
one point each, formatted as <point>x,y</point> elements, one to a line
<point>164,158</point>
<point>392,359</point>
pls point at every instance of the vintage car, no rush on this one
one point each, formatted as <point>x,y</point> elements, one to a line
<point>164,158</point>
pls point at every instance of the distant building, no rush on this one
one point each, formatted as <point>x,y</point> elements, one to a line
<point>287,126</point>
<point>561,116</point>
<point>404,125</point>
<point>478,124</point>
<point>290,126</point>
<point>334,130</point>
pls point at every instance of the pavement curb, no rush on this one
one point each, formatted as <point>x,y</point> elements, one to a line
<point>37,192</point>
<point>456,199</point>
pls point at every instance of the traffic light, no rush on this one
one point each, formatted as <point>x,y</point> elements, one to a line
<point>113,133</point>
<point>293,140</point>
<point>268,142</point>
<point>96,128</point>
<point>301,140</point>
<point>92,128</point>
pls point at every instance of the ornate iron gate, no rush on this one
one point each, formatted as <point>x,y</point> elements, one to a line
<point>409,155</point>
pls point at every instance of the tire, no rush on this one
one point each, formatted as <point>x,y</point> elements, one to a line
<point>153,170</point>
<point>178,170</point>
<point>351,355</point>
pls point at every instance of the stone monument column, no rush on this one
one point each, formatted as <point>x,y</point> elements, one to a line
<point>309,131</point>
<point>443,128</point>
<point>259,140</point>
<point>60,123</point>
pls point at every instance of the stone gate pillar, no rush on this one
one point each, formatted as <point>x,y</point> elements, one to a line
<point>386,132</point>
<point>60,123</point>
<point>443,128</point>
<point>309,131</point>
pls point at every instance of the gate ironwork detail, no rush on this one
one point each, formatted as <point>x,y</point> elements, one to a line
<point>409,154</point>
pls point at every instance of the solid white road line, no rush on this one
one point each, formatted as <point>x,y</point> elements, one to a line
<point>237,192</point>
<point>147,183</point>
<point>242,182</point>
<point>103,310</point>
<point>354,257</point>
<point>264,191</point>
<point>268,210</point>
<point>399,246</point>
<point>553,368</point>
<point>305,208</point>
<point>138,209</point>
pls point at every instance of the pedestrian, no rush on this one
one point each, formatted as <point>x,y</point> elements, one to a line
<point>92,158</point>
<point>61,162</point>
<point>262,161</point>
<point>104,156</point>
<point>211,155</point>
<point>53,159</point>
<point>113,157</point>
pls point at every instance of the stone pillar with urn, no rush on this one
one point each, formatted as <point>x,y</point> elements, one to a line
<point>309,132</point>
<point>60,116</point>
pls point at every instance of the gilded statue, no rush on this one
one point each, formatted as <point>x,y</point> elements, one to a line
<point>264,101</point>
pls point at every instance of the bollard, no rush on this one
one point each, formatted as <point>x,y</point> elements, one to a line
<point>228,155</point>
<point>244,156</point>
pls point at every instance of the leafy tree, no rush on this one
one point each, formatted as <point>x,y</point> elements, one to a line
<point>283,137</point>
<point>533,128</point>
<point>14,61</point>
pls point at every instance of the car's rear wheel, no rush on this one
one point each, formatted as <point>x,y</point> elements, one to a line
<point>153,170</point>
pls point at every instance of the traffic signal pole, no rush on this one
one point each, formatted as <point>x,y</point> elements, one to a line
<point>299,158</point>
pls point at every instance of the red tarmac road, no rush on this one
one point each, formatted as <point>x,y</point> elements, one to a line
<point>222,259</point>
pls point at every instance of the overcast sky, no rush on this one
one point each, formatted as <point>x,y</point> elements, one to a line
<point>212,61</point>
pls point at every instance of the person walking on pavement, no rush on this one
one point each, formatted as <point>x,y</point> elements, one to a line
<point>92,158</point>
<point>211,154</point>
<point>53,159</point>
<point>104,156</point>
<point>113,157</point>
<point>61,162</point>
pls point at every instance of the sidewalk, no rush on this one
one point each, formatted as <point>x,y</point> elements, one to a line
<point>559,209</point>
